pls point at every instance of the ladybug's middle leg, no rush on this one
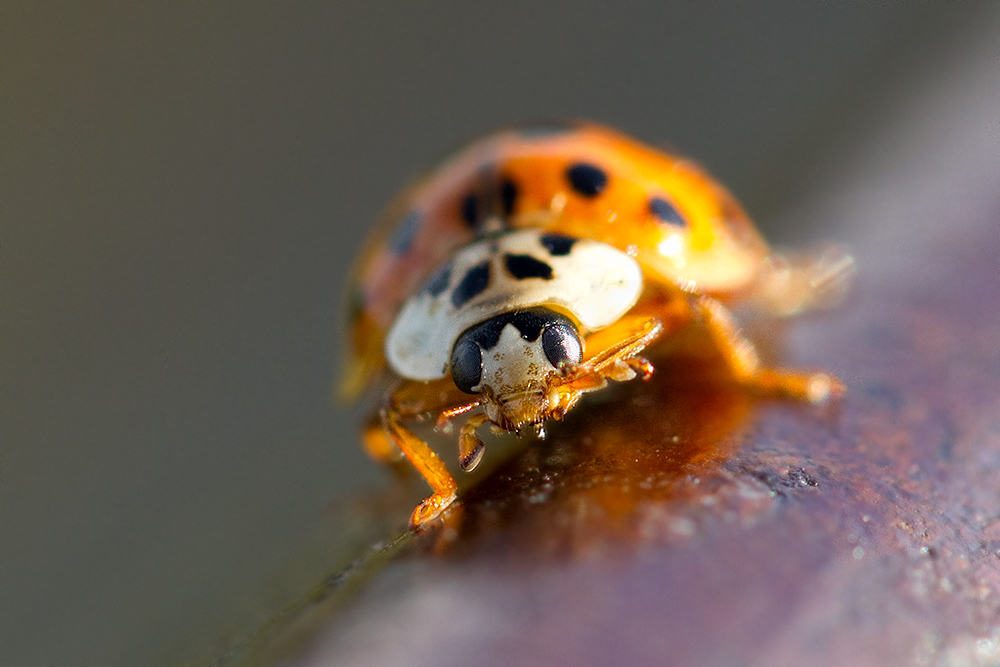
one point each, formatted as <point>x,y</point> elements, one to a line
<point>741,357</point>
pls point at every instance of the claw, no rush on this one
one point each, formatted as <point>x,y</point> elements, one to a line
<point>642,366</point>
<point>822,387</point>
<point>429,509</point>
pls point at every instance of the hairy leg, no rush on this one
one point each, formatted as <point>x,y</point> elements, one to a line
<point>741,357</point>
<point>412,400</point>
<point>617,360</point>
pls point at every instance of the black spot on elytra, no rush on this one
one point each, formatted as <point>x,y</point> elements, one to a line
<point>526,266</point>
<point>587,179</point>
<point>402,239</point>
<point>470,209</point>
<point>666,212</point>
<point>508,196</point>
<point>529,323</point>
<point>439,282</point>
<point>557,244</point>
<point>474,282</point>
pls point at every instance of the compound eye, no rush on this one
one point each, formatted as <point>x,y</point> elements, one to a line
<point>466,364</point>
<point>561,345</point>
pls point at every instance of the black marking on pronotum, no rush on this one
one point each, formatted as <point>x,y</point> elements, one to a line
<point>557,244</point>
<point>529,323</point>
<point>587,179</point>
<point>666,212</point>
<point>402,239</point>
<point>474,282</point>
<point>470,209</point>
<point>526,266</point>
<point>508,196</point>
<point>439,282</point>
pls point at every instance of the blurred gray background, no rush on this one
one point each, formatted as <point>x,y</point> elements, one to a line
<point>182,189</point>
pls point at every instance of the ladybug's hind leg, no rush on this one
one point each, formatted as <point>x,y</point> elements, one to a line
<point>742,359</point>
<point>795,282</point>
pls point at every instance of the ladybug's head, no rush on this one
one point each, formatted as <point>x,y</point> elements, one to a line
<point>516,360</point>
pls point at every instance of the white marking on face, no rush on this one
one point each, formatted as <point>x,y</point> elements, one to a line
<point>514,365</point>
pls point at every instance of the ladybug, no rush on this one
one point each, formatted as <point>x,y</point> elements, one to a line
<point>535,266</point>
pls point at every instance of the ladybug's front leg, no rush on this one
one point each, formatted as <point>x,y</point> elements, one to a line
<point>618,361</point>
<point>427,463</point>
<point>407,401</point>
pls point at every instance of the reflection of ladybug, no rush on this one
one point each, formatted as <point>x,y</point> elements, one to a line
<point>535,265</point>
